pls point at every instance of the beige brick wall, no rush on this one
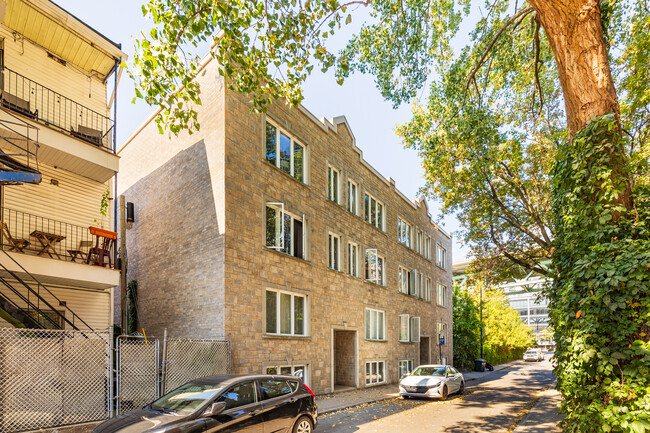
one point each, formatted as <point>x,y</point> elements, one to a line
<point>198,245</point>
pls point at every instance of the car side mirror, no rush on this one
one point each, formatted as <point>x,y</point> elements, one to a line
<point>215,409</point>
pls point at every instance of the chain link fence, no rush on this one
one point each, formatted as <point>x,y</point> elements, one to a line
<point>186,359</point>
<point>137,372</point>
<point>53,378</point>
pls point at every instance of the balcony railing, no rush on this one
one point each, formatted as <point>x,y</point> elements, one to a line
<point>40,103</point>
<point>34,235</point>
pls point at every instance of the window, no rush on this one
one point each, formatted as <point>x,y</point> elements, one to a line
<point>298,370</point>
<point>374,211</point>
<point>418,241</point>
<point>427,290</point>
<point>352,197</point>
<point>375,325</point>
<point>334,252</point>
<point>409,328</point>
<point>404,232</point>
<point>441,256</point>
<point>374,267</point>
<point>284,232</point>
<point>286,313</point>
<point>427,247</point>
<point>332,184</point>
<point>405,366</point>
<point>284,152</point>
<point>48,319</point>
<point>375,372</point>
<point>405,280</point>
<point>442,295</point>
<point>272,388</point>
<point>239,395</point>
<point>420,279</point>
<point>442,333</point>
<point>353,259</point>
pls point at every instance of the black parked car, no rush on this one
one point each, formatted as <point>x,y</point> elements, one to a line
<point>226,403</point>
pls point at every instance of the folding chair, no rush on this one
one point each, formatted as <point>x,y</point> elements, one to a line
<point>14,244</point>
<point>81,252</point>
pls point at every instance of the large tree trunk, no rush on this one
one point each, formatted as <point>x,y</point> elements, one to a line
<point>575,33</point>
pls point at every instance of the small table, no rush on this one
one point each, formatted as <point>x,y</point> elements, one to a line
<point>47,241</point>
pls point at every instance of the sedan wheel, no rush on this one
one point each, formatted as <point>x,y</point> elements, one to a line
<point>445,393</point>
<point>303,425</point>
<point>462,388</point>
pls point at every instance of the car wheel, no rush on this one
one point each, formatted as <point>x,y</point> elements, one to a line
<point>445,393</point>
<point>461,390</point>
<point>405,397</point>
<point>303,425</point>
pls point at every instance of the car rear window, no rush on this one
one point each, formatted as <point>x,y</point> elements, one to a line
<point>293,385</point>
<point>272,388</point>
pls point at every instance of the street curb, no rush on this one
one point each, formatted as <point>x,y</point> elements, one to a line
<point>336,409</point>
<point>537,403</point>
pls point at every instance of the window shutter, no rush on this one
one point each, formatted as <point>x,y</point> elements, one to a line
<point>304,237</point>
<point>415,329</point>
<point>279,237</point>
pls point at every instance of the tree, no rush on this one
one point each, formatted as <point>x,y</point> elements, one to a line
<point>467,327</point>
<point>575,190</point>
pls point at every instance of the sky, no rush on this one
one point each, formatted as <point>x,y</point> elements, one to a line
<point>372,119</point>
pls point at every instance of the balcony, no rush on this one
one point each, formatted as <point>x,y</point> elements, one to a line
<point>58,252</point>
<point>75,137</point>
<point>50,108</point>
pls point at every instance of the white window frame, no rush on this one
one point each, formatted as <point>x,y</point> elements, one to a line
<point>427,289</point>
<point>404,276</point>
<point>420,285</point>
<point>279,366</point>
<point>334,257</point>
<point>427,246</point>
<point>375,362</point>
<point>404,232</point>
<point>355,195</point>
<point>404,366</point>
<point>380,222</point>
<point>442,332</point>
<point>404,320</point>
<point>379,276</point>
<point>378,325</point>
<point>278,316</point>
<point>280,207</point>
<point>333,183</point>
<point>414,329</point>
<point>442,295</point>
<point>441,256</point>
<point>293,141</point>
<point>418,240</point>
<point>353,259</point>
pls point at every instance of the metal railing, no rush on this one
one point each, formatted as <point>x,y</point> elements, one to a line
<point>43,104</point>
<point>45,237</point>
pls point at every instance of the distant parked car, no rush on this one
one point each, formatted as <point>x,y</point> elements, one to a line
<point>432,381</point>
<point>535,354</point>
<point>226,403</point>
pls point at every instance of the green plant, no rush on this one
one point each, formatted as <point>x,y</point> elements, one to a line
<point>600,301</point>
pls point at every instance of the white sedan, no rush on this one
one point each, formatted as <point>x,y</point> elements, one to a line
<point>432,381</point>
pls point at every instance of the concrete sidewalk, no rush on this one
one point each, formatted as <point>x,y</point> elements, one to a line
<point>343,400</point>
<point>545,415</point>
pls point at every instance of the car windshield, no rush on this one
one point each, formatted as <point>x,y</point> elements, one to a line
<point>429,371</point>
<point>531,352</point>
<point>187,398</point>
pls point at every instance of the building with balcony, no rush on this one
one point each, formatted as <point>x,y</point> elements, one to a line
<point>57,163</point>
<point>273,228</point>
<point>525,296</point>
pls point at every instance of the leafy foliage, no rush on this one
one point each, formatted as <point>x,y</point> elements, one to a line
<point>600,305</point>
<point>506,337</point>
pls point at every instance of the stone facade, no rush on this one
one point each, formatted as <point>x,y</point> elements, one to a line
<point>199,248</point>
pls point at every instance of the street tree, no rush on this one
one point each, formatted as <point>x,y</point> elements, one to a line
<point>556,156</point>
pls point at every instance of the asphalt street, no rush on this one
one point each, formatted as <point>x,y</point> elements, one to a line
<point>493,404</point>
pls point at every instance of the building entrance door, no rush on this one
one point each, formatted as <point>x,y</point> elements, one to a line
<point>345,359</point>
<point>425,350</point>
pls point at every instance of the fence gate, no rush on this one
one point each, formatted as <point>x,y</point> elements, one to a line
<point>137,378</point>
<point>53,378</point>
<point>187,359</point>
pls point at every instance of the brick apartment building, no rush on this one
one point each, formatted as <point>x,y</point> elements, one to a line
<point>273,229</point>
